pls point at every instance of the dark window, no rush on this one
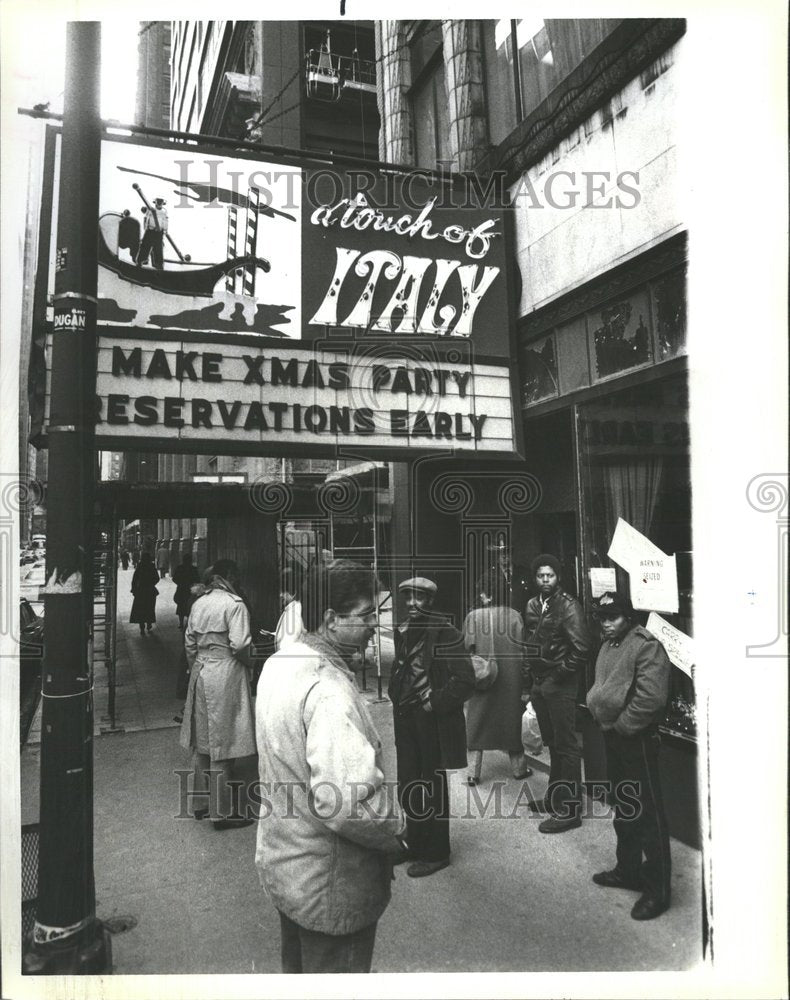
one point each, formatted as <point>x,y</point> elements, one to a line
<point>428,97</point>
<point>645,327</point>
<point>620,336</point>
<point>540,370</point>
<point>548,51</point>
<point>669,315</point>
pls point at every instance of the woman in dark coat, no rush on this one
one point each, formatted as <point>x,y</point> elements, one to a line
<point>184,576</point>
<point>144,589</point>
<point>493,717</point>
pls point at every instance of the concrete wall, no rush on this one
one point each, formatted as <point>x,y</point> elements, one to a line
<point>560,248</point>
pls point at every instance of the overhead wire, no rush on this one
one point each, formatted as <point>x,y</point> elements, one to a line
<point>421,32</point>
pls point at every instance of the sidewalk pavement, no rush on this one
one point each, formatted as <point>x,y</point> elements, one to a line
<point>512,899</point>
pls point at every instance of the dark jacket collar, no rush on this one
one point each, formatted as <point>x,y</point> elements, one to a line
<point>433,619</point>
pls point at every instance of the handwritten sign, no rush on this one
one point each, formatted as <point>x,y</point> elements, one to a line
<point>679,646</point>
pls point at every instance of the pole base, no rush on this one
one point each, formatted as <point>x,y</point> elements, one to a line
<point>88,954</point>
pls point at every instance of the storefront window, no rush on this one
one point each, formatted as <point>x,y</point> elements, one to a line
<point>548,51</point>
<point>634,465</point>
<point>669,314</point>
<point>647,327</point>
<point>620,336</point>
<point>539,364</point>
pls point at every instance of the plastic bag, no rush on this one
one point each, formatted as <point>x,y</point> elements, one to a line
<point>531,739</point>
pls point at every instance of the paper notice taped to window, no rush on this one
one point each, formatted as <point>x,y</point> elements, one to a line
<point>654,584</point>
<point>679,646</point>
<point>603,579</point>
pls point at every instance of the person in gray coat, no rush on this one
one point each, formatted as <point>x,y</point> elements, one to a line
<point>330,832</point>
<point>218,723</point>
<point>493,716</point>
<point>628,700</point>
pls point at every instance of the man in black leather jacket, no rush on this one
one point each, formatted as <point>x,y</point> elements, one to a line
<point>555,622</point>
<point>432,677</point>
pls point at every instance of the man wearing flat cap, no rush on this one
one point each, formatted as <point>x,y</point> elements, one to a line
<point>555,622</point>
<point>432,676</point>
<point>628,700</point>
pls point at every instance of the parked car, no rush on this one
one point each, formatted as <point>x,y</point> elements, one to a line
<point>31,656</point>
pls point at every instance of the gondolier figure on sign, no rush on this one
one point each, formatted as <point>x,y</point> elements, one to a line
<point>155,225</point>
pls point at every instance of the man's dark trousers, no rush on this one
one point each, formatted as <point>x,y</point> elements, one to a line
<point>554,702</point>
<point>422,784</point>
<point>303,950</point>
<point>640,826</point>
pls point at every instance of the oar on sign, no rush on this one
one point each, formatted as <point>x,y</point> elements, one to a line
<point>185,259</point>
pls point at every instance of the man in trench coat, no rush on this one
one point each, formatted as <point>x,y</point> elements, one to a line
<point>432,677</point>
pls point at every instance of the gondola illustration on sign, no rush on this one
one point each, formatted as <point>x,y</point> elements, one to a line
<point>180,243</point>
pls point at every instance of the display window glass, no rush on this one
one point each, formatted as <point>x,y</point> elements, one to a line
<point>539,364</point>
<point>620,338</point>
<point>669,314</point>
<point>548,52</point>
<point>634,464</point>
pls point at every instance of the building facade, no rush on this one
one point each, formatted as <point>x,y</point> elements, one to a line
<point>248,80</point>
<point>574,123</point>
<point>579,122</point>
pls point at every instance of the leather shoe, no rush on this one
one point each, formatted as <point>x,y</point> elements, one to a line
<point>419,869</point>
<point>648,907</point>
<point>526,773</point>
<point>471,780</point>
<point>556,825</point>
<point>234,823</point>
<point>616,880</point>
<point>539,806</point>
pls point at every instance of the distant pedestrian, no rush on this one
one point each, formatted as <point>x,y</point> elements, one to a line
<point>184,576</point>
<point>510,579</point>
<point>124,559</point>
<point>135,556</point>
<point>218,721</point>
<point>555,622</point>
<point>163,560</point>
<point>325,851</point>
<point>493,716</point>
<point>144,589</point>
<point>432,677</point>
<point>628,701</point>
<point>290,626</point>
